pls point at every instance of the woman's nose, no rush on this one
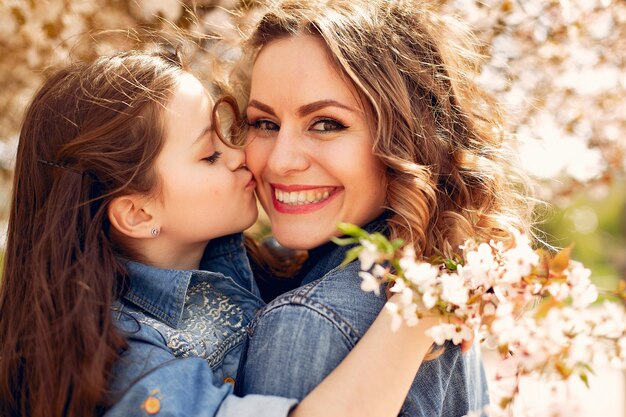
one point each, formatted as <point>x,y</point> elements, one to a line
<point>288,154</point>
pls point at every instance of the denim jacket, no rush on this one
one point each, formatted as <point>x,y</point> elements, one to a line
<point>186,331</point>
<point>301,336</point>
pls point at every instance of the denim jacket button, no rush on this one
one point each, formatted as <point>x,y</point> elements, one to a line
<point>229,380</point>
<point>152,405</point>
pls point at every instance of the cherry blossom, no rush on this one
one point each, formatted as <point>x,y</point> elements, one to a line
<point>536,307</point>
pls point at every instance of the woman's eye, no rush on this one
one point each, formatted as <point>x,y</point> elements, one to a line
<point>266,125</point>
<point>327,125</point>
<point>213,157</point>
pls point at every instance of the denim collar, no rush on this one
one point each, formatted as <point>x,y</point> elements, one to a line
<point>328,256</point>
<point>162,292</point>
<point>222,246</point>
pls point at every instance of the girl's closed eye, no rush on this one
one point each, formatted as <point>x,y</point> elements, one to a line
<point>327,125</point>
<point>213,157</point>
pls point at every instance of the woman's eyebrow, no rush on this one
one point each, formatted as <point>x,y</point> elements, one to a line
<point>261,106</point>
<point>320,104</point>
<point>304,109</point>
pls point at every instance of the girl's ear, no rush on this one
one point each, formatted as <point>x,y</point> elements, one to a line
<point>131,216</point>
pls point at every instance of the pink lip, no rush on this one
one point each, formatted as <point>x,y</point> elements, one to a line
<point>251,183</point>
<point>301,208</point>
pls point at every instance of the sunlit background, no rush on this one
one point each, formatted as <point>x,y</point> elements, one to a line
<point>558,66</point>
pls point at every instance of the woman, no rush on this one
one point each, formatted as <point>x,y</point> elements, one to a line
<point>126,289</point>
<point>365,112</point>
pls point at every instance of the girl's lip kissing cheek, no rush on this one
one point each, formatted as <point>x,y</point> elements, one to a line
<point>251,184</point>
<point>298,199</point>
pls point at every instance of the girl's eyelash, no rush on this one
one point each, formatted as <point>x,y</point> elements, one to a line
<point>213,157</point>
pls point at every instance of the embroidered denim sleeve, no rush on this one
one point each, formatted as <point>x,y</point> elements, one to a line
<point>183,387</point>
<point>291,349</point>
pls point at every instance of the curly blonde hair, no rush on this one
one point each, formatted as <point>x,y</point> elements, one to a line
<point>442,139</point>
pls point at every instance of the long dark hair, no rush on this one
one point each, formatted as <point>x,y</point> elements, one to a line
<point>92,133</point>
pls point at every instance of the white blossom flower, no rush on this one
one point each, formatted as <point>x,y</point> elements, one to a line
<point>429,298</point>
<point>369,255</point>
<point>558,290</point>
<point>409,314</point>
<point>583,292</point>
<point>519,260</point>
<point>419,273</point>
<point>370,283</point>
<point>453,289</point>
<point>442,332</point>
<point>461,333</point>
<point>479,266</point>
<point>378,271</point>
<point>405,297</point>
<point>396,318</point>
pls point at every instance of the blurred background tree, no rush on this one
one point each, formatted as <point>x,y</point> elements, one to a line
<point>559,66</point>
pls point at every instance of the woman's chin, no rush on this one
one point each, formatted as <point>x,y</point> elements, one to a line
<point>301,239</point>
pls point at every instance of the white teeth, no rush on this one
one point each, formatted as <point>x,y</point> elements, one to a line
<point>302,197</point>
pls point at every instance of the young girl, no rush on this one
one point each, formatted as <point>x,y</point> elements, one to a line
<point>126,289</point>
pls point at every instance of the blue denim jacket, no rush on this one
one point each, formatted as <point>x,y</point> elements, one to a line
<point>186,331</point>
<point>301,336</point>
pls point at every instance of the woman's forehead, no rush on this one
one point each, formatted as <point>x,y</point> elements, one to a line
<point>299,67</point>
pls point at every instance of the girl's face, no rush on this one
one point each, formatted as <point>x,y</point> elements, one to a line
<point>206,190</point>
<point>310,146</point>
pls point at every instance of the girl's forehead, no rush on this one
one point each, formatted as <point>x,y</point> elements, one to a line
<point>190,86</point>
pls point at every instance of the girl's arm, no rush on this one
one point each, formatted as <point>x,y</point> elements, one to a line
<point>375,377</point>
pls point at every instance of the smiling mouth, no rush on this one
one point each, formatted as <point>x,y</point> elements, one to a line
<point>303,197</point>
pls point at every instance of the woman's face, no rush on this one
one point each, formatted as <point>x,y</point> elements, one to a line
<point>310,145</point>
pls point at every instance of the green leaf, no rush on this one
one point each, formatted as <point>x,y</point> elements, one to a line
<point>352,230</point>
<point>585,379</point>
<point>397,243</point>
<point>351,255</point>
<point>451,264</point>
<point>382,243</point>
<point>344,241</point>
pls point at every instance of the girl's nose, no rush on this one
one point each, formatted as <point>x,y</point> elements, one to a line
<point>235,158</point>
